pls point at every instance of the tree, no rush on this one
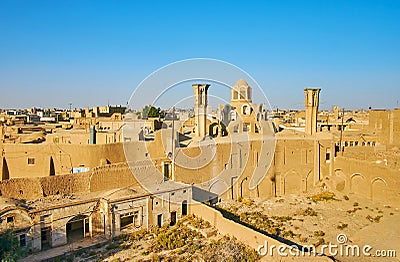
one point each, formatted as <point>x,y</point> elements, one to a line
<point>150,111</point>
<point>10,249</point>
<point>154,112</point>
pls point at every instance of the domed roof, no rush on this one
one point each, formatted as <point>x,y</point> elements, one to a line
<point>241,82</point>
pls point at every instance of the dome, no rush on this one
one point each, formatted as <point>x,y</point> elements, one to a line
<point>241,83</point>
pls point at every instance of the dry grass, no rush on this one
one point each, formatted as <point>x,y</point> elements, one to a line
<point>323,196</point>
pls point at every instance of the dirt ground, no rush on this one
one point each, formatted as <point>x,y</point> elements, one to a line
<point>318,221</point>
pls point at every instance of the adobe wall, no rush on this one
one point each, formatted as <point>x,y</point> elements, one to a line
<point>244,234</point>
<point>386,123</point>
<point>300,163</point>
<point>21,188</point>
<point>376,182</point>
<point>111,176</point>
<point>33,188</point>
<point>65,184</point>
<point>65,157</point>
<point>101,178</point>
<point>295,167</point>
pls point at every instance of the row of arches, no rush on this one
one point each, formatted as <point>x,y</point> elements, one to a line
<point>357,143</point>
<point>294,183</point>
<point>376,188</point>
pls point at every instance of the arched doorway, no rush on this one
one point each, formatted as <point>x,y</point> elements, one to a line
<point>378,189</point>
<point>52,171</point>
<point>359,185</point>
<point>77,228</point>
<point>292,183</point>
<point>213,130</point>
<point>184,208</point>
<point>5,174</point>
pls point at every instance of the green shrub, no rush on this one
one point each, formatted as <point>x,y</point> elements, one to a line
<point>324,196</point>
<point>309,212</point>
<point>319,233</point>
<point>9,247</point>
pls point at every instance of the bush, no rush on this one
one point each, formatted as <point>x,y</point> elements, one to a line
<point>228,249</point>
<point>303,239</point>
<point>377,219</point>
<point>9,247</point>
<point>319,233</point>
<point>282,218</point>
<point>247,201</point>
<point>173,238</point>
<point>309,212</point>
<point>288,233</point>
<point>324,196</point>
<point>199,223</point>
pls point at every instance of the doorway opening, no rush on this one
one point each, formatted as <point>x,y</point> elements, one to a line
<point>77,228</point>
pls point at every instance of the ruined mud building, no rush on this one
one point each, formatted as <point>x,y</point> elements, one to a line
<point>77,183</point>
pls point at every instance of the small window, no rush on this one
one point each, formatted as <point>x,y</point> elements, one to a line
<point>328,155</point>
<point>10,219</point>
<point>31,161</point>
<point>184,191</point>
<point>172,194</point>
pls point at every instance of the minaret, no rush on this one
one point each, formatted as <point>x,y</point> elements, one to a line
<point>311,101</point>
<point>200,108</point>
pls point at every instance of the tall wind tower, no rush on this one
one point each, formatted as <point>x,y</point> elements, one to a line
<point>311,102</point>
<point>200,108</point>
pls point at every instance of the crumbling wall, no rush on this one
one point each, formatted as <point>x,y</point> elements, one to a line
<point>111,176</point>
<point>21,188</point>
<point>100,178</point>
<point>37,187</point>
<point>65,184</point>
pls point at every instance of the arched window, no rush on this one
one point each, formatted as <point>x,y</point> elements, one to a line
<point>233,115</point>
<point>245,110</point>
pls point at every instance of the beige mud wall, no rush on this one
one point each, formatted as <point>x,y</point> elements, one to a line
<point>65,157</point>
<point>376,182</point>
<point>244,234</point>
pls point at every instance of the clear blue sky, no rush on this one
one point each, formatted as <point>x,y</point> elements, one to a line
<point>95,52</point>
